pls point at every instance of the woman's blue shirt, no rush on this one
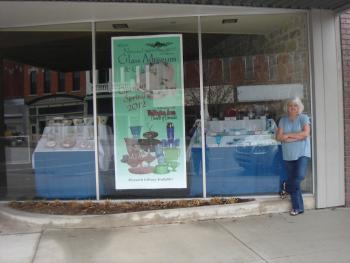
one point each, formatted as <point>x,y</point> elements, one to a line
<point>294,150</point>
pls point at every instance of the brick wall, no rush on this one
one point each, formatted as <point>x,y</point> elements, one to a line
<point>13,79</point>
<point>345,40</point>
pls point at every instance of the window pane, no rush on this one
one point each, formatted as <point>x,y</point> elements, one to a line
<point>249,70</point>
<point>44,143</point>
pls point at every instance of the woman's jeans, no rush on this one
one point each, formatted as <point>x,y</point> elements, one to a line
<point>296,172</point>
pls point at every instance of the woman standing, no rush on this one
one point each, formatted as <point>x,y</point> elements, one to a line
<point>294,134</point>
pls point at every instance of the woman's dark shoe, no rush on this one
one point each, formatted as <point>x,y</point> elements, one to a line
<point>283,194</point>
<point>295,212</point>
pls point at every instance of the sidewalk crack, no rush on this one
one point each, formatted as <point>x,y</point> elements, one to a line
<point>37,246</point>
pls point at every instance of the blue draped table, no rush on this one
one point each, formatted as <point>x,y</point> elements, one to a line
<point>238,170</point>
<point>65,174</point>
<point>70,172</point>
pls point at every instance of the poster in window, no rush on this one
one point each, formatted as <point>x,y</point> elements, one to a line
<point>148,111</point>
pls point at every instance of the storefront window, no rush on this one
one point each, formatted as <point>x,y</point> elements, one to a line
<point>144,109</point>
<point>267,58</point>
<point>148,103</point>
<point>48,144</point>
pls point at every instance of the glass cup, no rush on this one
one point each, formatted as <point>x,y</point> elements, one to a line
<point>135,131</point>
<point>218,138</point>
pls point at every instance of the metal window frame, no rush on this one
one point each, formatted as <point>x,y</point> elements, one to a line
<point>94,105</point>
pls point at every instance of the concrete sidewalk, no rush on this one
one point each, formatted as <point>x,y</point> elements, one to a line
<point>317,236</point>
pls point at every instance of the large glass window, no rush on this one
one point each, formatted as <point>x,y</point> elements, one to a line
<point>47,139</point>
<point>266,59</point>
<point>148,93</point>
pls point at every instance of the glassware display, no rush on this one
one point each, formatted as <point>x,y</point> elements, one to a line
<point>135,131</point>
<point>218,138</point>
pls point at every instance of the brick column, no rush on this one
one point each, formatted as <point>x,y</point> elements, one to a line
<point>345,43</point>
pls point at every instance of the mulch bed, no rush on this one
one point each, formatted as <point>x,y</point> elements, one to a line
<point>111,207</point>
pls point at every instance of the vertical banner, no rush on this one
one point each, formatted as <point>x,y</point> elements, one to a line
<point>148,110</point>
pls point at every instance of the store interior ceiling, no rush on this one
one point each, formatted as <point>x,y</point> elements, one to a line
<point>67,47</point>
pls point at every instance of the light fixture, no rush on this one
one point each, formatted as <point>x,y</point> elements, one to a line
<point>229,21</point>
<point>120,26</point>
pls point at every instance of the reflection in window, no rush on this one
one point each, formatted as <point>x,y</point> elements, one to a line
<point>61,82</point>
<point>47,81</point>
<point>90,76</point>
<point>249,68</point>
<point>251,76</point>
<point>33,83</point>
<point>103,76</point>
<point>32,111</point>
<point>76,80</point>
<point>44,67</point>
<point>272,60</point>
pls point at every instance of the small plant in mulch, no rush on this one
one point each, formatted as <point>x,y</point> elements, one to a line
<point>57,207</point>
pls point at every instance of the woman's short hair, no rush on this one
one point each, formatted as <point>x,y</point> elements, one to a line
<point>296,101</point>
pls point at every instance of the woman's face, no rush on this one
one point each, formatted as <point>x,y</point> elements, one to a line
<point>293,109</point>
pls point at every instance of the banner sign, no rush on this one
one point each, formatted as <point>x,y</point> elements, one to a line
<point>148,112</point>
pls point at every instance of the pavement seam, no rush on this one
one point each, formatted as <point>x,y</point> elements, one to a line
<point>20,233</point>
<point>37,246</point>
<point>240,241</point>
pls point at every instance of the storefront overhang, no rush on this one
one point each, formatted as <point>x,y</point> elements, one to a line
<point>30,13</point>
<point>336,5</point>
